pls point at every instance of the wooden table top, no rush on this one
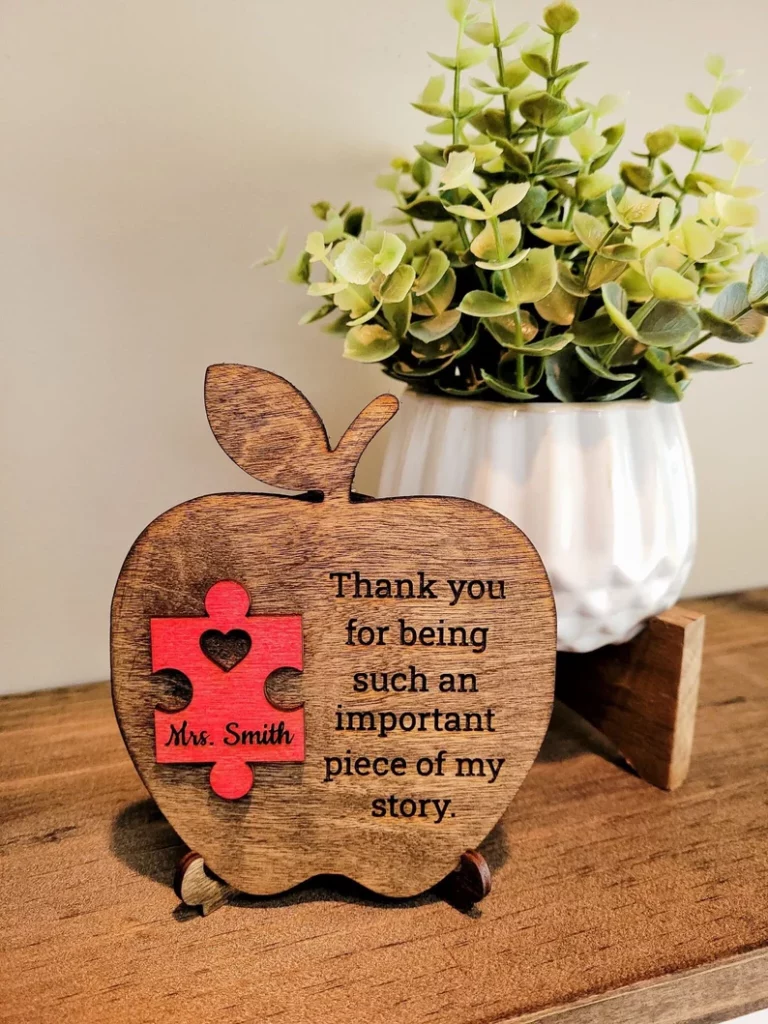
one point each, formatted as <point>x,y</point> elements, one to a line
<point>613,902</point>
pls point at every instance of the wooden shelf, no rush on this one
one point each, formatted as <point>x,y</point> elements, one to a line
<point>613,902</point>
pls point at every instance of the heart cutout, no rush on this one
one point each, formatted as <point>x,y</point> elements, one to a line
<point>225,649</point>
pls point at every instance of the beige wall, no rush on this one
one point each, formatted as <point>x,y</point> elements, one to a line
<point>152,149</point>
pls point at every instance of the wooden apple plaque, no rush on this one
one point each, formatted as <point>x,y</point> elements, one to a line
<point>323,682</point>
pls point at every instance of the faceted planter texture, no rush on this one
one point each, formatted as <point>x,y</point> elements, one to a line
<point>605,491</point>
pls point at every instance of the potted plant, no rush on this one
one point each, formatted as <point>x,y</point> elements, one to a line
<point>546,311</point>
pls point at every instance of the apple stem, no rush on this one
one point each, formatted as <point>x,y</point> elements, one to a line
<point>358,435</point>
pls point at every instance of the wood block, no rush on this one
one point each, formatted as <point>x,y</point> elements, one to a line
<point>643,695</point>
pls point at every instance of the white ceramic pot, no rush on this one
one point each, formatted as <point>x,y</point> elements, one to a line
<point>606,492</point>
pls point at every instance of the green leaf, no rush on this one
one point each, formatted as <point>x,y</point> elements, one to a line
<point>300,271</point>
<point>727,96</point>
<point>668,284</point>
<point>434,110</point>
<point>559,307</point>
<point>596,332</point>
<point>433,90</point>
<point>616,393</point>
<point>505,329</point>
<point>604,270</point>
<point>592,186</point>
<point>515,34</point>
<point>432,154</point>
<point>698,239</point>
<point>276,254</point>
<point>317,314</point>
<point>481,32</point>
<point>590,230</point>
<point>355,263</point>
<point>535,277</point>
<point>715,65</point>
<point>398,315</point>
<point>587,142</point>
<point>613,137</point>
<point>616,302</point>
<point>440,297</point>
<point>636,176</point>
<point>480,303</point>
<point>515,73</point>
<point>398,284</point>
<point>436,327</point>
<point>326,287</point>
<point>506,264</point>
<point>533,206</point>
<point>660,141</point>
<point>468,212</point>
<point>508,196</point>
<point>555,235</point>
<point>758,284</point>
<point>562,373</point>
<point>691,138</point>
<point>709,361</point>
<point>559,168</point>
<point>428,208</point>
<point>437,263</point>
<point>568,124</point>
<point>421,172</point>
<point>669,324</point>
<point>570,282</point>
<point>622,252</point>
<point>514,158</point>
<point>598,369</point>
<point>505,389</point>
<point>659,379</point>
<point>731,318</point>
<point>695,105</point>
<point>457,9</point>
<point>392,250</point>
<point>369,344</point>
<point>721,251</point>
<point>484,245</point>
<point>315,245</point>
<point>543,110</point>
<point>537,63</point>
<point>545,347</point>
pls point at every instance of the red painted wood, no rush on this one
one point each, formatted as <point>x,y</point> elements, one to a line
<point>229,722</point>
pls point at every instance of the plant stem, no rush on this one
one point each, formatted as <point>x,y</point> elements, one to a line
<point>457,85</point>
<point>591,262</point>
<point>500,64</point>
<point>697,156</point>
<point>550,79</point>
<point>509,288</point>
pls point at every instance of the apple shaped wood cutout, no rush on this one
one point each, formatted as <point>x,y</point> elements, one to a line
<point>323,682</point>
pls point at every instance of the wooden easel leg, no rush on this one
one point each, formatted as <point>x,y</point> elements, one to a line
<point>196,887</point>
<point>470,881</point>
<point>642,695</point>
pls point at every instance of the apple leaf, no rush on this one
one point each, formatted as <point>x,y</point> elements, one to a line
<point>266,426</point>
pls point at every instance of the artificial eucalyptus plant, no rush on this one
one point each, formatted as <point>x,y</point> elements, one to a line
<point>520,268</point>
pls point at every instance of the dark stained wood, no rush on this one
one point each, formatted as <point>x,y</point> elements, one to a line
<point>643,695</point>
<point>613,902</point>
<point>269,825</point>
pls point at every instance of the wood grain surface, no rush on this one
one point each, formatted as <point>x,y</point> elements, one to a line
<point>643,695</point>
<point>393,785</point>
<point>613,902</point>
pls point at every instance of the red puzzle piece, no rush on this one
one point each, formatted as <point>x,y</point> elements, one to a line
<point>229,722</point>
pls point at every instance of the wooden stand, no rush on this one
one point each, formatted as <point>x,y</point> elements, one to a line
<point>642,695</point>
<point>467,884</point>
